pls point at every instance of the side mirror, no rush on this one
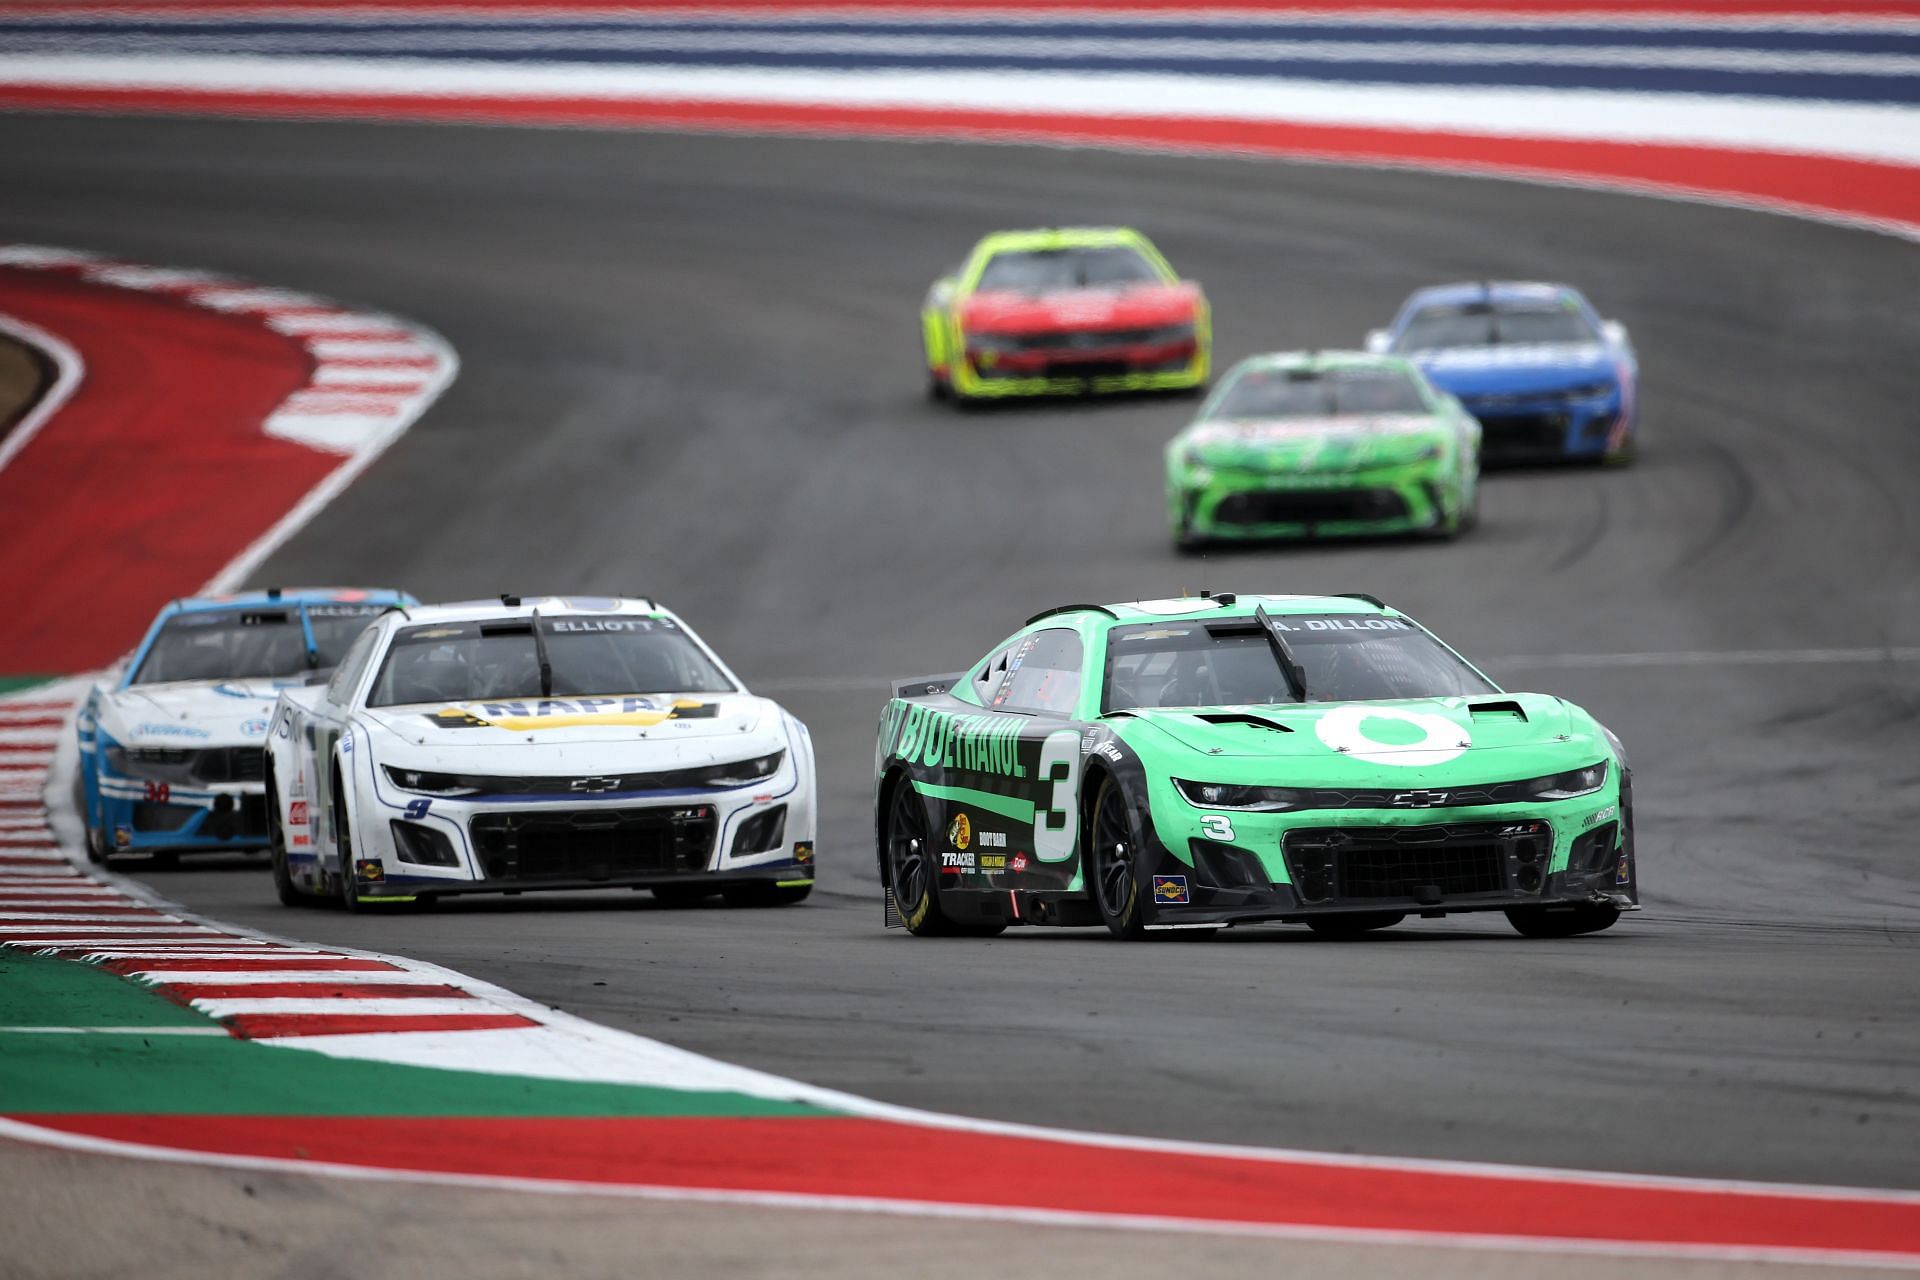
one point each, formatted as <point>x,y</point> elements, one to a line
<point>1378,340</point>
<point>1615,331</point>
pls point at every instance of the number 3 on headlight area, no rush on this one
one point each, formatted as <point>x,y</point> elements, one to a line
<point>1056,828</point>
<point>1218,826</point>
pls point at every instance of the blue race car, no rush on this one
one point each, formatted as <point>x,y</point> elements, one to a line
<point>1547,377</point>
<point>172,743</point>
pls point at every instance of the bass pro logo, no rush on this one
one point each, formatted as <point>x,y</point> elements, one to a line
<point>960,831</point>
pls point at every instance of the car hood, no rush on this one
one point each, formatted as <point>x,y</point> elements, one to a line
<point>652,719</point>
<point>1493,737</point>
<point>197,714</point>
<point>1313,444</point>
<point>1505,368</point>
<point>1139,307</point>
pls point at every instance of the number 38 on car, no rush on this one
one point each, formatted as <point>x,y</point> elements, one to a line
<point>539,744</point>
<point>1207,762</point>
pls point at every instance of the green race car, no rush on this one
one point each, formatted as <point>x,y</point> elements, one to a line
<point>1322,760</point>
<point>1323,443</point>
<point>1063,312</point>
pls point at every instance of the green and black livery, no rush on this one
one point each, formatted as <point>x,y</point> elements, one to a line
<point>1205,762</point>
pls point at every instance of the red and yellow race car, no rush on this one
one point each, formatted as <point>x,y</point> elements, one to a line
<point>1064,311</point>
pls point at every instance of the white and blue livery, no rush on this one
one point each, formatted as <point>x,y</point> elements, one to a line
<point>171,741</point>
<point>1547,377</point>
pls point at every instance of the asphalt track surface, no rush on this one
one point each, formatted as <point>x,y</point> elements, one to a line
<point>689,370</point>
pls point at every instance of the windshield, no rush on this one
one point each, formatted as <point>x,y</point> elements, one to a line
<point>499,660</point>
<point>1229,662</point>
<point>1084,267</point>
<point>1319,393</point>
<point>1478,324</point>
<point>251,644</point>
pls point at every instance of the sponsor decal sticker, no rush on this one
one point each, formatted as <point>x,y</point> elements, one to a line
<point>1018,862</point>
<point>953,862</point>
<point>572,713</point>
<point>993,839</point>
<point>803,852</point>
<point>122,838</point>
<point>1623,873</point>
<point>254,728</point>
<point>993,863</point>
<point>987,744</point>
<point>369,870</point>
<point>960,831</point>
<point>169,731</point>
<point>1389,735</point>
<point>1599,816</point>
<point>1170,890</point>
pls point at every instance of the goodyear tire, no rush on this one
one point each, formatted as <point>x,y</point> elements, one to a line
<point>1352,926</point>
<point>1113,871</point>
<point>913,874</point>
<point>291,894</point>
<point>1542,922</point>
<point>348,887</point>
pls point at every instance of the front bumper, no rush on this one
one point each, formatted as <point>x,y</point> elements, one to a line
<point>409,845</point>
<point>1225,503</point>
<point>1529,429</point>
<point>1292,867</point>
<point>139,815</point>
<point>1077,368</point>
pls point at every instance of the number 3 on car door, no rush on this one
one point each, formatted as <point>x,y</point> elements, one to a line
<point>1056,827</point>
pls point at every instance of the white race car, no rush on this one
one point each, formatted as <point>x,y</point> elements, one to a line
<point>170,758</point>
<point>553,743</point>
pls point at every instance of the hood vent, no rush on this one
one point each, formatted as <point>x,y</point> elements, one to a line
<point>1243,717</point>
<point>1497,711</point>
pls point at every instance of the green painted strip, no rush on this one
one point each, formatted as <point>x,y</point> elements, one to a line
<point>40,991</point>
<point>14,684</point>
<point>145,1056</point>
<point>1007,806</point>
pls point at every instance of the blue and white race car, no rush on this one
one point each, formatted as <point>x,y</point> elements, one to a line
<point>171,744</point>
<point>1547,377</point>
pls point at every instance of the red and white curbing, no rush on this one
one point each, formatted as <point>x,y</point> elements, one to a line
<point>338,1001</point>
<point>372,375</point>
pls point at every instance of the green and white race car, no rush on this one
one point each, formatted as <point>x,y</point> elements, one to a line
<point>1304,444</point>
<point>1322,760</point>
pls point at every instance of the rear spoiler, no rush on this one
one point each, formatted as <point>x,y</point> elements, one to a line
<point>926,686</point>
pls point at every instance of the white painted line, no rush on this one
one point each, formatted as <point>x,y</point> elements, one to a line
<point>344,1006</point>
<point>1712,658</point>
<point>301,323</point>
<point>367,349</point>
<point>152,278</point>
<point>1865,131</point>
<point>250,298</point>
<point>216,977</point>
<point>69,371</point>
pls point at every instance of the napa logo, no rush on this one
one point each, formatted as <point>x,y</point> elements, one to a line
<point>960,831</point>
<point>571,713</point>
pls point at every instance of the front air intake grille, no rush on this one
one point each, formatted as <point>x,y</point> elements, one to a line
<point>1309,506</point>
<point>1396,872</point>
<point>230,764</point>
<point>1523,436</point>
<point>1418,865</point>
<point>593,844</point>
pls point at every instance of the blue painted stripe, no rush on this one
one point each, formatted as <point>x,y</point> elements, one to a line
<point>1901,38</point>
<point>1893,89</point>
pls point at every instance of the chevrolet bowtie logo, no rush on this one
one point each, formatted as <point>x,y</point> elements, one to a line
<point>1419,799</point>
<point>595,784</point>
